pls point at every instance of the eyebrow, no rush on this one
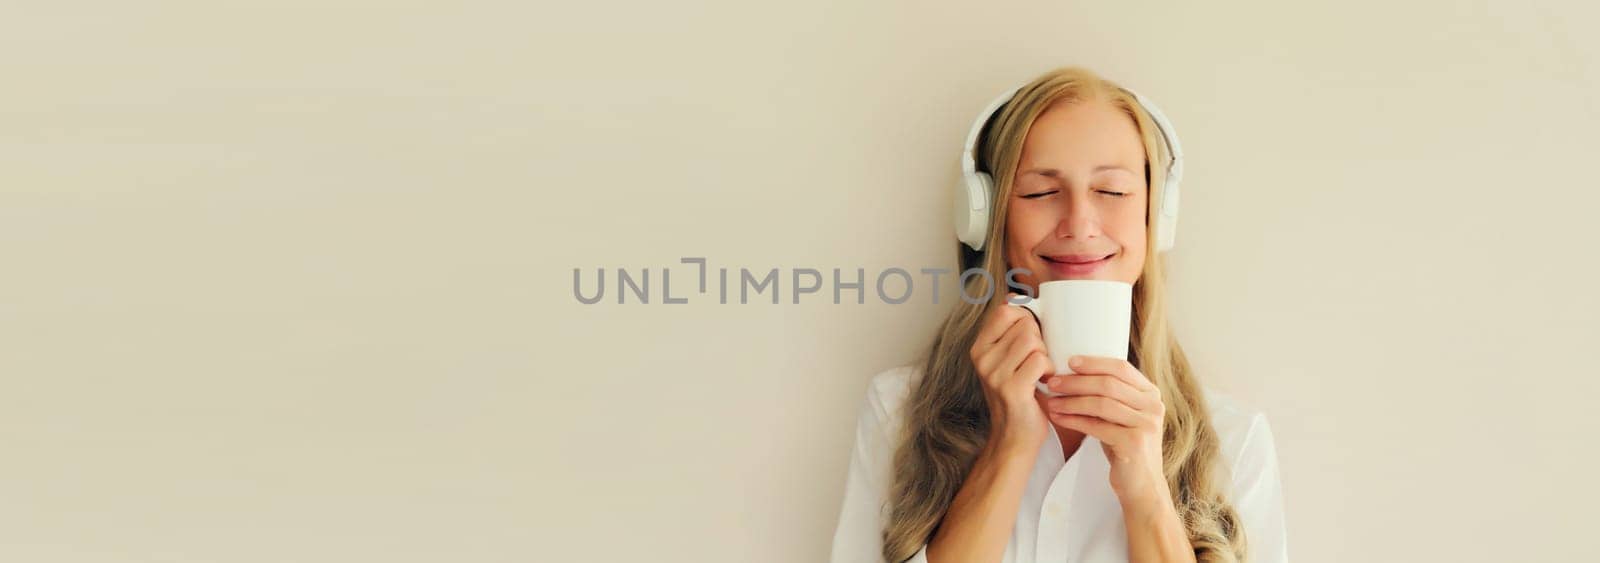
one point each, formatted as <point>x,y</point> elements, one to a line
<point>1054,173</point>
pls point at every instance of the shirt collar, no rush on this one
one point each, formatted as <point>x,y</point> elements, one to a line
<point>1089,451</point>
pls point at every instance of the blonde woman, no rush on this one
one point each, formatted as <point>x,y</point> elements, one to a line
<point>960,459</point>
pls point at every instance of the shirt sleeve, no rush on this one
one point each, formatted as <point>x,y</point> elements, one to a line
<point>858,537</point>
<point>1258,495</point>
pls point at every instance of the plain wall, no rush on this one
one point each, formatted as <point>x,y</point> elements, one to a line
<point>294,281</point>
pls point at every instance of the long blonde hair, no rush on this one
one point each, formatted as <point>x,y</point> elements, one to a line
<point>946,418</point>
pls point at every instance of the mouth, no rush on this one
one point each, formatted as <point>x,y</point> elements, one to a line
<point>1076,265</point>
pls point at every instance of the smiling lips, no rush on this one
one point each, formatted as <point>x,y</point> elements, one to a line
<point>1069,265</point>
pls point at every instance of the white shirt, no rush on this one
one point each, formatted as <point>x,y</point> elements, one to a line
<point>1068,510</point>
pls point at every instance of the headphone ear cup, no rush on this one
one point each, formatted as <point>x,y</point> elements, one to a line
<point>972,206</point>
<point>1167,218</point>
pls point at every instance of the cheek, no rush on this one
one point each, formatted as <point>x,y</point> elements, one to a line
<point>1135,234</point>
<point>1026,227</point>
<point>1126,225</point>
<point>1024,231</point>
<point>1130,231</point>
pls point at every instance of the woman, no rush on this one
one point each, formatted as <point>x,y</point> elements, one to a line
<point>962,459</point>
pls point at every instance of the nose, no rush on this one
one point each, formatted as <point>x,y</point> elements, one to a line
<point>1081,220</point>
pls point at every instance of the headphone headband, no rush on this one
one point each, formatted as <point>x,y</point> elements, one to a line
<point>968,161</point>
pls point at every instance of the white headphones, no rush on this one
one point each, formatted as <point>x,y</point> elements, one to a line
<point>975,195</point>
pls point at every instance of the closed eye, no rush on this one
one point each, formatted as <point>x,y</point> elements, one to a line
<point>1045,193</point>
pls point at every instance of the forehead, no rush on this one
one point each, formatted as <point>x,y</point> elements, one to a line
<point>1083,135</point>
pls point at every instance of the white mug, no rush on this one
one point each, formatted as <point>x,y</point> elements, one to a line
<point>1081,318</point>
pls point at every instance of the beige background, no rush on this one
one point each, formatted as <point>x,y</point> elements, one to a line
<point>292,281</point>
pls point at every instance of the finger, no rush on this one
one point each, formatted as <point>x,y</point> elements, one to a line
<point>1103,431</point>
<point>1000,320</point>
<point>1025,343</point>
<point>1034,368</point>
<point>1105,408</point>
<point>994,357</point>
<point>1112,366</point>
<point>1104,386</point>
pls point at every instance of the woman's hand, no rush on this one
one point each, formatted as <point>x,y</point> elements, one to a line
<point>1113,401</point>
<point>1009,355</point>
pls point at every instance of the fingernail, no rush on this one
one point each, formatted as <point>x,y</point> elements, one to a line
<point>1075,361</point>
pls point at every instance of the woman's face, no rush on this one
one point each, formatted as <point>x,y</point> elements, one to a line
<point>1077,206</point>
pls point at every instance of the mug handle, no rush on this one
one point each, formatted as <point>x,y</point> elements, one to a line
<point>1032,305</point>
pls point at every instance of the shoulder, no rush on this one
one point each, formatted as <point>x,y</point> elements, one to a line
<point>887,391</point>
<point>1255,489</point>
<point>1244,435</point>
<point>879,422</point>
